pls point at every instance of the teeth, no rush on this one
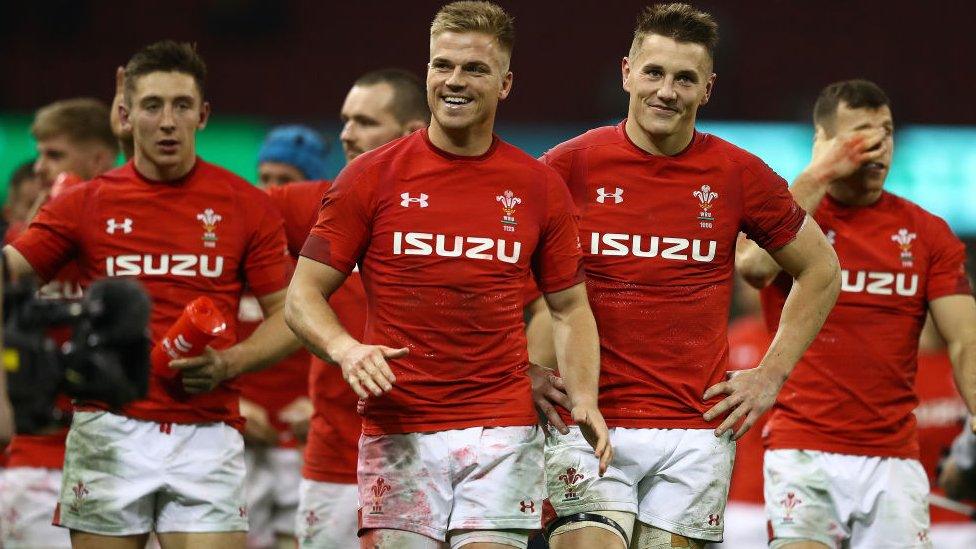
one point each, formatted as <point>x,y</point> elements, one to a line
<point>457,100</point>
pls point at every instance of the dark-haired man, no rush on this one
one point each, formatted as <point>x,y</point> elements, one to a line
<point>842,461</point>
<point>662,205</point>
<point>173,461</point>
<point>381,106</point>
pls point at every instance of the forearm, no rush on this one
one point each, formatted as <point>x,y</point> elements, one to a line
<point>316,325</point>
<point>538,333</point>
<point>809,188</point>
<point>756,266</point>
<point>578,353</point>
<point>271,342</point>
<point>810,300</point>
<point>963,357</point>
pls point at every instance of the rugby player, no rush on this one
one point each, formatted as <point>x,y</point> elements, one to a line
<point>842,461</point>
<point>445,225</point>
<point>662,205</point>
<point>172,462</point>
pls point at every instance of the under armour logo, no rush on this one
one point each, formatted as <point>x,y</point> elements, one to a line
<point>603,195</point>
<point>111,225</point>
<point>713,520</point>
<point>527,506</point>
<point>407,200</point>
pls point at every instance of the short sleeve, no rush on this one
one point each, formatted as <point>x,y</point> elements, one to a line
<point>266,265</point>
<point>342,232</point>
<point>947,266</point>
<point>771,217</point>
<point>557,262</point>
<point>54,236</point>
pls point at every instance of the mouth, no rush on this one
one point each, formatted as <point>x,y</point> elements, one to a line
<point>874,167</point>
<point>168,145</point>
<point>456,101</point>
<point>665,110</point>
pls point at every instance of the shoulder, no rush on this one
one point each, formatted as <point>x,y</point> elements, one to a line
<point>595,138</point>
<point>733,154</point>
<point>903,208</point>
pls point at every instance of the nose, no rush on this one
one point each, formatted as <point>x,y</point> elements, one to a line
<point>347,133</point>
<point>168,120</point>
<point>455,81</point>
<point>41,169</point>
<point>666,91</point>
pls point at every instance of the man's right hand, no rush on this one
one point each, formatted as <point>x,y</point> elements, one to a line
<point>594,429</point>
<point>843,154</point>
<point>364,367</point>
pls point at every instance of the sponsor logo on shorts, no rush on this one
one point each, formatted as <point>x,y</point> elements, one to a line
<point>311,519</point>
<point>923,536</point>
<point>242,511</point>
<point>81,493</point>
<point>714,520</point>
<point>570,478</point>
<point>527,506</point>
<point>789,504</point>
<point>379,489</point>
<point>10,519</point>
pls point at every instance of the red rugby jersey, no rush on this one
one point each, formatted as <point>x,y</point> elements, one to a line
<point>208,233</point>
<point>658,237</point>
<point>853,390</point>
<point>444,243</point>
<point>332,448</point>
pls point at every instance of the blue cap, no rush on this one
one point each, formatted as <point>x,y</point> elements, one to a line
<point>298,146</point>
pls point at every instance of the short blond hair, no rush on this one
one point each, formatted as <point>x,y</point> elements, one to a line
<point>82,120</point>
<point>679,22</point>
<point>476,16</point>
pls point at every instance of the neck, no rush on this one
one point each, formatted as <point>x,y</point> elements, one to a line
<point>853,196</point>
<point>470,141</point>
<point>168,172</point>
<point>664,145</point>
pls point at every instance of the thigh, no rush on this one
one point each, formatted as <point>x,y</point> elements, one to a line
<point>745,527</point>
<point>113,467</point>
<point>381,538</point>
<point>687,492</point>
<point>800,504</point>
<point>86,540</point>
<point>405,483</point>
<point>28,497</point>
<point>489,539</point>
<point>572,475</point>
<point>200,540</point>
<point>259,486</point>
<point>895,511</point>
<point>327,515</point>
<point>205,482</point>
<point>498,482</point>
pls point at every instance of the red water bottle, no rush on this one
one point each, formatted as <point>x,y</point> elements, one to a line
<point>200,323</point>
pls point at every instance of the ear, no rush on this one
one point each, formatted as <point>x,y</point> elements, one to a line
<point>124,122</point>
<point>506,86</point>
<point>625,73</point>
<point>204,115</point>
<point>413,125</point>
<point>709,86</point>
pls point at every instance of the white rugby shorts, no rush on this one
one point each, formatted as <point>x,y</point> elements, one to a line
<point>676,480</point>
<point>327,515</point>
<point>271,485</point>
<point>28,496</point>
<point>465,479</point>
<point>844,500</point>
<point>124,476</point>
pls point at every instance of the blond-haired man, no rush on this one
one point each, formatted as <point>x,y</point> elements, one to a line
<point>445,225</point>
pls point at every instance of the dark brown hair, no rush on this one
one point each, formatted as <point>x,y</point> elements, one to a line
<point>165,56</point>
<point>680,22</point>
<point>856,94</point>
<point>409,94</point>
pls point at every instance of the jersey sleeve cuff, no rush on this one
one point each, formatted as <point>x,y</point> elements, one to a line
<point>319,249</point>
<point>560,284</point>
<point>35,257</point>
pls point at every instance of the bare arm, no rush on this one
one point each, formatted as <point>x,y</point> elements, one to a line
<point>578,354</point>
<point>955,317</point>
<point>538,332</point>
<point>833,160</point>
<point>813,264</point>
<point>309,315</point>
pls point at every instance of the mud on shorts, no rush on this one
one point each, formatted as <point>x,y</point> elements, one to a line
<point>465,479</point>
<point>676,480</point>
<point>124,476</point>
<point>844,500</point>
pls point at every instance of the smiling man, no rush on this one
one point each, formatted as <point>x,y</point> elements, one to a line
<point>445,226</point>
<point>662,206</point>
<point>172,462</point>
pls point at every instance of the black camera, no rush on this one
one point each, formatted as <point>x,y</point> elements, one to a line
<point>95,349</point>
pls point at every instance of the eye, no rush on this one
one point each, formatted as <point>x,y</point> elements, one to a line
<point>654,72</point>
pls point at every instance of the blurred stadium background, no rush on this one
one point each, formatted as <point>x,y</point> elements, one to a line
<point>293,61</point>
